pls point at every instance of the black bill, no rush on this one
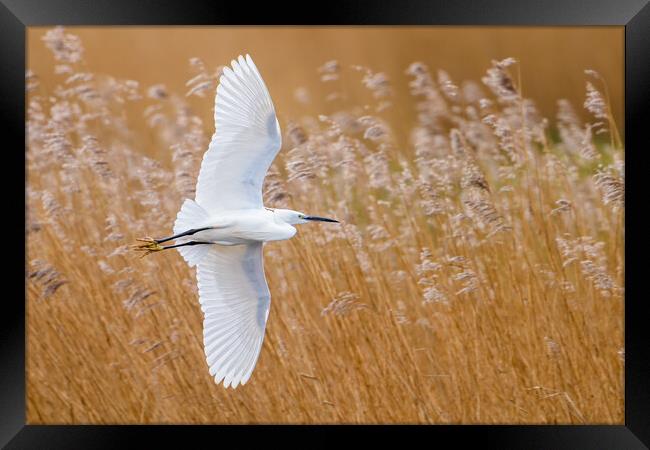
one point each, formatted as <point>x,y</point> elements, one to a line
<point>320,219</point>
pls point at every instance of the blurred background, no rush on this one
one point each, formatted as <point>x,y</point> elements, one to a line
<point>407,301</point>
<point>553,60</point>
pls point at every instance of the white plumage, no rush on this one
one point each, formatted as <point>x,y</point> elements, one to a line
<point>245,142</point>
<point>233,292</point>
<point>235,308</point>
<point>222,231</point>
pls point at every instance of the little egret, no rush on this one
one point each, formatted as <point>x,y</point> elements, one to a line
<point>222,231</point>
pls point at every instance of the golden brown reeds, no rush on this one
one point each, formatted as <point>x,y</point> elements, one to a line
<point>476,277</point>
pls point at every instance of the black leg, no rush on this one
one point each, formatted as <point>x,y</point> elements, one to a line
<point>185,233</point>
<point>185,243</point>
<point>152,245</point>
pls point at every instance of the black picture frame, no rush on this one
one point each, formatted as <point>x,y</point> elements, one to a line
<point>16,15</point>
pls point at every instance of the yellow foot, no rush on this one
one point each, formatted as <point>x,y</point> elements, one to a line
<point>150,246</point>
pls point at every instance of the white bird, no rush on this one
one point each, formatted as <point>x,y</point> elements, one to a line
<point>222,231</point>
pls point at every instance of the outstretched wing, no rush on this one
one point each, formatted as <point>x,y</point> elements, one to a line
<point>235,301</point>
<point>245,142</point>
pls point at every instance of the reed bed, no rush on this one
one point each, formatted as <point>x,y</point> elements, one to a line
<point>476,277</point>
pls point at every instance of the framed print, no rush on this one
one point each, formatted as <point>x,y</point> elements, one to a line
<point>412,217</point>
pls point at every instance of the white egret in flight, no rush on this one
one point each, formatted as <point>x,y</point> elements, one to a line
<point>222,231</point>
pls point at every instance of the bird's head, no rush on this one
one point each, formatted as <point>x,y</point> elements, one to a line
<point>296,217</point>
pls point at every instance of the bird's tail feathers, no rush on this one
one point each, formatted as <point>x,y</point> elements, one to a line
<point>191,216</point>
